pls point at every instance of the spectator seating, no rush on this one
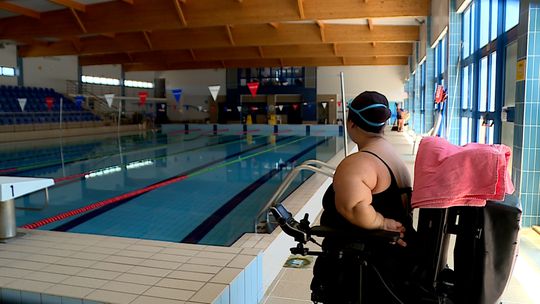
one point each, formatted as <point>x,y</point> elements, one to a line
<point>36,110</point>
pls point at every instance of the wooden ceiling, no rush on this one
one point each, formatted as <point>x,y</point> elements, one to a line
<point>187,34</point>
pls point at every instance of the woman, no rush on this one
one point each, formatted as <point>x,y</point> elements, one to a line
<point>370,191</point>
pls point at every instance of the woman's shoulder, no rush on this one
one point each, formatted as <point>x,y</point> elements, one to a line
<point>358,163</point>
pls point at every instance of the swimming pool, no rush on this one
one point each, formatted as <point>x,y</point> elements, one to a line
<point>202,186</point>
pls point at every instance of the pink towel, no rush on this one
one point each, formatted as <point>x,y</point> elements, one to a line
<point>447,175</point>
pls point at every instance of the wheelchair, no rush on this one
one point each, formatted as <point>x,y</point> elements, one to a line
<point>486,242</point>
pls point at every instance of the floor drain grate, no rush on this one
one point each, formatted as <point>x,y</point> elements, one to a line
<point>298,262</point>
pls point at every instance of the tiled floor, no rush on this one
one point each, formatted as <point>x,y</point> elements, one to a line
<point>54,267</point>
<point>292,285</point>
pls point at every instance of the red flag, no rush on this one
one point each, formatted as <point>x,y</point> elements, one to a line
<point>142,98</point>
<point>253,86</point>
<point>439,94</point>
<point>295,106</point>
<point>339,103</point>
<point>49,101</point>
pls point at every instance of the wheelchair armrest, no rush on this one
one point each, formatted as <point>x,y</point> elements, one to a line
<point>302,232</point>
<point>383,236</point>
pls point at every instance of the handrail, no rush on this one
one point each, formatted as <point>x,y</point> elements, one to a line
<point>307,165</point>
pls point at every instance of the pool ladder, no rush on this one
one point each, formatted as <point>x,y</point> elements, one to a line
<point>313,165</point>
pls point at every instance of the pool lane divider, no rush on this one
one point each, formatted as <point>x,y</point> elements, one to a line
<point>83,174</point>
<point>197,234</point>
<point>118,200</point>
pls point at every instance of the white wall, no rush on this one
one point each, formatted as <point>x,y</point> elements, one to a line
<point>106,70</point>
<point>141,76</point>
<point>8,58</point>
<point>194,84</point>
<point>387,80</point>
<point>50,72</point>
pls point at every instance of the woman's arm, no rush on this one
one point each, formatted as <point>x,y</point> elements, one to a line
<point>354,180</point>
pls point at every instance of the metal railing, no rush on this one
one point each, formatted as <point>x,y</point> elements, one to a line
<point>309,165</point>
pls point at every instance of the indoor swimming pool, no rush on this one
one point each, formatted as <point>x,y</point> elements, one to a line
<point>204,185</point>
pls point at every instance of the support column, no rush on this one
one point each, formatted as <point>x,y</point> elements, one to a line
<point>430,80</point>
<point>454,75</point>
<point>526,167</point>
<point>20,69</point>
<point>417,99</point>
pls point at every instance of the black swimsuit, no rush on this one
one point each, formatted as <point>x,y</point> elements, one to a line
<point>394,262</point>
<point>389,203</point>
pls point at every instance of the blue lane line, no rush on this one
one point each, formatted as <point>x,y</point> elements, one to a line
<point>96,212</point>
<point>197,234</point>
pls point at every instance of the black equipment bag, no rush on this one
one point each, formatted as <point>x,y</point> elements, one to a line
<point>485,251</point>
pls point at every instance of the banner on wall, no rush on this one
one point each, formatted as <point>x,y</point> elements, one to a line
<point>177,93</point>
<point>239,108</point>
<point>49,101</point>
<point>199,108</point>
<point>295,107</point>
<point>142,98</point>
<point>324,104</point>
<point>109,98</point>
<point>280,107</point>
<point>214,90</point>
<point>78,101</point>
<point>253,87</point>
<point>22,103</point>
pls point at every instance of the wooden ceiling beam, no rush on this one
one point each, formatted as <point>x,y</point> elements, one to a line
<point>151,15</point>
<point>17,9</point>
<point>370,24</point>
<point>268,52</point>
<point>301,9</point>
<point>70,4</point>
<point>253,35</point>
<point>147,39</point>
<point>336,61</point>
<point>76,43</point>
<point>79,21</point>
<point>180,13</point>
<point>321,28</point>
<point>230,35</point>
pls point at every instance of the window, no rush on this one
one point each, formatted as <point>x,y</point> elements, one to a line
<point>116,82</point>
<point>484,22</point>
<point>466,32</point>
<point>138,84</point>
<point>494,15</point>
<point>492,78</point>
<point>512,14</point>
<point>7,71</point>
<point>283,76</point>
<point>465,131</point>
<point>465,94</point>
<point>483,86</point>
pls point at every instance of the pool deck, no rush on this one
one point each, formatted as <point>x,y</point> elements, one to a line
<point>55,267</point>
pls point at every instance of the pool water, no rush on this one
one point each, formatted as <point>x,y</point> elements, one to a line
<point>200,186</point>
